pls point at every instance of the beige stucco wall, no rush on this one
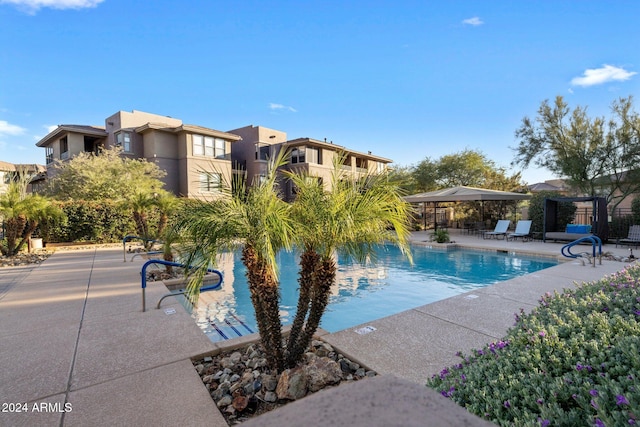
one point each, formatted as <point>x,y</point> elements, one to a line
<point>244,151</point>
<point>124,120</point>
<point>75,143</point>
<point>189,170</point>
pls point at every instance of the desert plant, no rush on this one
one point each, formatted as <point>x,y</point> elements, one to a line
<point>441,235</point>
<point>21,213</point>
<point>352,218</point>
<point>574,360</point>
<point>357,214</point>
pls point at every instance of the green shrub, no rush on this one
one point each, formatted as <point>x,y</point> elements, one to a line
<point>89,221</point>
<point>441,235</point>
<point>574,360</point>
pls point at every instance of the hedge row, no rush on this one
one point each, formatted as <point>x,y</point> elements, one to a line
<point>89,221</point>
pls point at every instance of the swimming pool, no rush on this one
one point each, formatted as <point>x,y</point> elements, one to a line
<point>362,293</point>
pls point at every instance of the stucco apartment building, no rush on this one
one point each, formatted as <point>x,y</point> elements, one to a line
<point>198,159</point>
<point>195,158</point>
<point>10,172</point>
<point>311,156</point>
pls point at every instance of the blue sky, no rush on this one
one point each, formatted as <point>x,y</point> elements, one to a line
<point>406,80</point>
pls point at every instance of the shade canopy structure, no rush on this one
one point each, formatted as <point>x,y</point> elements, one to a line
<point>464,194</point>
<point>599,216</point>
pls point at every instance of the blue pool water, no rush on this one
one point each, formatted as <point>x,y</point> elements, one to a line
<point>362,293</point>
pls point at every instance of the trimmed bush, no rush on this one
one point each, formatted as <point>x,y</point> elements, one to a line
<point>574,360</point>
<point>89,221</point>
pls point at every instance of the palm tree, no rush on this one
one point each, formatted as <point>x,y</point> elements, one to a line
<point>22,213</point>
<point>354,217</point>
<point>140,204</point>
<point>257,220</point>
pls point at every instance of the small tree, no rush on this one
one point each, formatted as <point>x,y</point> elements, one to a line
<point>598,156</point>
<point>355,216</point>
<point>21,213</point>
<point>257,220</point>
<point>108,175</point>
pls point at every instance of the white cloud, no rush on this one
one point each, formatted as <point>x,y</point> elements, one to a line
<point>276,107</point>
<point>475,21</point>
<point>49,128</point>
<point>605,74</point>
<point>7,128</point>
<point>32,6</point>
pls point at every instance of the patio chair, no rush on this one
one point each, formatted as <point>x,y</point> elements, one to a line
<point>523,230</point>
<point>501,230</point>
<point>633,238</point>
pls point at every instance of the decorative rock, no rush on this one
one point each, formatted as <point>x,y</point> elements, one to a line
<point>292,384</point>
<point>235,357</point>
<point>322,372</point>
<point>259,388</point>
<point>224,401</point>
<point>240,403</point>
<point>270,382</point>
<point>323,350</point>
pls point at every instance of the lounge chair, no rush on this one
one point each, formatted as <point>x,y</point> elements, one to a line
<point>633,238</point>
<point>501,230</point>
<point>523,230</point>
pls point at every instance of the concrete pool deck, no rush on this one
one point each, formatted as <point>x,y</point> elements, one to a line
<point>72,332</point>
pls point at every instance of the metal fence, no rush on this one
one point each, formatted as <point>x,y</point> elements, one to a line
<point>620,219</point>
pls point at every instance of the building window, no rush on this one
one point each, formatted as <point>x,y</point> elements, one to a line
<point>263,152</point>
<point>210,182</point>
<point>123,139</point>
<point>64,148</point>
<point>306,155</point>
<point>209,146</point>
<point>49,154</point>
<point>313,155</point>
<point>298,155</point>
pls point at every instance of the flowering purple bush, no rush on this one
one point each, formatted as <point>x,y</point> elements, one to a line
<point>574,360</point>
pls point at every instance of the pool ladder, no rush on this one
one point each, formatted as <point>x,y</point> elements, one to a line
<point>594,240</point>
<point>143,278</point>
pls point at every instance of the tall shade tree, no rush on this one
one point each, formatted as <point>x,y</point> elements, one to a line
<point>598,157</point>
<point>257,220</point>
<point>108,175</point>
<point>21,213</point>
<point>353,218</point>
<point>467,168</point>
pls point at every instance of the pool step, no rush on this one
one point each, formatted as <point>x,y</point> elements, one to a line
<point>230,328</point>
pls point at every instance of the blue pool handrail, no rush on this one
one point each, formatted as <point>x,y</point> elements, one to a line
<point>129,237</point>
<point>143,278</point>
<point>594,240</point>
